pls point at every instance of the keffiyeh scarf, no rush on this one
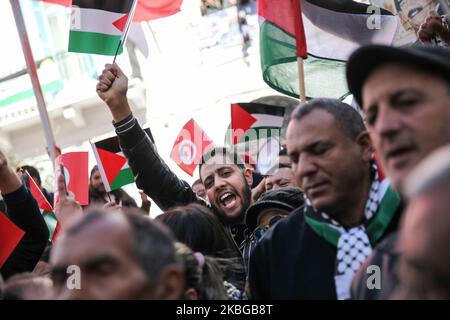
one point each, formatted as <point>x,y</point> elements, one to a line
<point>354,245</point>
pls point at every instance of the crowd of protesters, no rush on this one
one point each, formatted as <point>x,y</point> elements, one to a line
<point>357,207</point>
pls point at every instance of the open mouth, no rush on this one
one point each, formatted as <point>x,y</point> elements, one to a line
<point>227,200</point>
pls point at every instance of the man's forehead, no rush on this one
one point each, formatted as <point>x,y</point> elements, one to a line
<point>313,127</point>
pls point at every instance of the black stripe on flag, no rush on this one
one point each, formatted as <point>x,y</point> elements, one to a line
<point>345,6</point>
<point>119,6</point>
<point>253,108</point>
<point>112,144</point>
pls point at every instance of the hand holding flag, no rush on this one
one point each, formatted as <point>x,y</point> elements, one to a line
<point>68,211</point>
<point>112,88</point>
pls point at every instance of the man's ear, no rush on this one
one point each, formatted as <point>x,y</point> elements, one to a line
<point>365,144</point>
<point>171,283</point>
<point>248,176</point>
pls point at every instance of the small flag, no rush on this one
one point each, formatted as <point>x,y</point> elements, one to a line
<point>112,164</point>
<point>189,146</point>
<point>257,116</point>
<point>97,26</point>
<point>10,236</point>
<point>45,207</point>
<point>75,165</point>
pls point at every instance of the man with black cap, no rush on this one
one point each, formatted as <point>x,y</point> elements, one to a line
<point>405,95</point>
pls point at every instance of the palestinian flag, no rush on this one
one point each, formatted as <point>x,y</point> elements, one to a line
<point>263,119</point>
<point>97,26</point>
<point>333,29</point>
<point>45,207</point>
<point>112,163</point>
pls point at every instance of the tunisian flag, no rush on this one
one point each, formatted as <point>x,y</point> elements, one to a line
<point>146,9</point>
<point>189,146</point>
<point>76,173</point>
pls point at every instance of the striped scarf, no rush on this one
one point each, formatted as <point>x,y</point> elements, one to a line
<point>354,245</point>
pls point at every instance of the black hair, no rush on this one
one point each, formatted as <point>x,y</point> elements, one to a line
<point>93,170</point>
<point>197,227</point>
<point>347,118</point>
<point>227,153</point>
<point>206,279</point>
<point>33,172</point>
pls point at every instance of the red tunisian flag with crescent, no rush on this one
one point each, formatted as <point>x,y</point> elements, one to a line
<point>76,173</point>
<point>189,146</point>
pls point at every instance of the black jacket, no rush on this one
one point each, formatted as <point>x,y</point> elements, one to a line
<point>151,173</point>
<point>23,211</point>
<point>292,262</point>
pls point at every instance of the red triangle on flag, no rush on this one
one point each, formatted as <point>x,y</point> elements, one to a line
<point>38,195</point>
<point>120,23</point>
<point>112,163</point>
<point>241,121</point>
<point>10,235</point>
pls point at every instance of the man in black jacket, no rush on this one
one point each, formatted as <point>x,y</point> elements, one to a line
<point>224,177</point>
<point>222,171</point>
<point>315,251</point>
<point>22,209</point>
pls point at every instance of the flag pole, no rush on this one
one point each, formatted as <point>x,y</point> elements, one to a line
<point>300,43</point>
<point>301,79</point>
<point>123,39</point>
<point>31,65</point>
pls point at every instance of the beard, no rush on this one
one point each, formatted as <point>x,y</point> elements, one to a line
<point>226,219</point>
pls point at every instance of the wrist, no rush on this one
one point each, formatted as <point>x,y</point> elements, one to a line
<point>120,109</point>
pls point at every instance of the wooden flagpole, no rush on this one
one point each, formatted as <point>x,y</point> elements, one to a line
<point>301,79</point>
<point>300,41</point>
